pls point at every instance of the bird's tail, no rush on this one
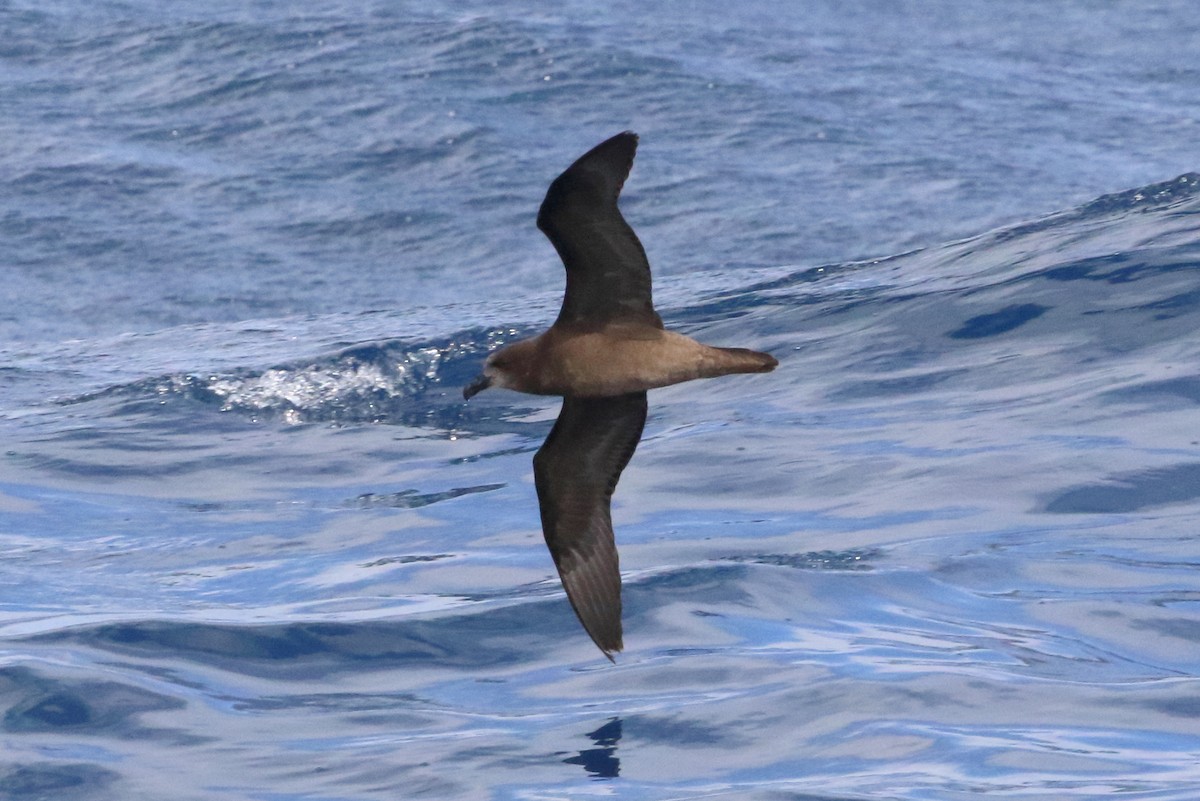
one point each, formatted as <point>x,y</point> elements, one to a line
<point>742,360</point>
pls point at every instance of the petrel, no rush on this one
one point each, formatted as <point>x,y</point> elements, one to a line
<point>607,347</point>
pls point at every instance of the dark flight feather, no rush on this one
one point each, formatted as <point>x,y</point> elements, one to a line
<point>576,471</point>
<point>608,276</point>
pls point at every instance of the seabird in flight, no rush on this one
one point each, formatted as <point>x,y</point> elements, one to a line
<point>607,347</point>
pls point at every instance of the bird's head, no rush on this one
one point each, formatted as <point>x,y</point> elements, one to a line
<point>504,369</point>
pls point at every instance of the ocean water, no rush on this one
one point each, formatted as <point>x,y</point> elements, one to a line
<point>253,545</point>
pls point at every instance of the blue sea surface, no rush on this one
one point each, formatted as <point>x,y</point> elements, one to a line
<point>253,544</point>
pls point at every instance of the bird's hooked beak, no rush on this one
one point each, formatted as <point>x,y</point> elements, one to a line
<point>477,385</point>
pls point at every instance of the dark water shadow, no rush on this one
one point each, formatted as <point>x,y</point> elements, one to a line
<point>471,639</point>
<point>894,387</point>
<point>1131,492</point>
<point>39,703</point>
<point>1184,387</point>
<point>601,762</point>
<point>40,781</point>
<point>998,322</point>
<point>1123,268</point>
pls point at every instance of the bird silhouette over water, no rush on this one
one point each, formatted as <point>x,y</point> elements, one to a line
<point>607,347</point>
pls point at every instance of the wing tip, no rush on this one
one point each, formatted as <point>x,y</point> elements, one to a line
<point>603,169</point>
<point>626,136</point>
<point>624,145</point>
<point>601,621</point>
<point>620,149</point>
<point>595,595</point>
<point>604,626</point>
<point>609,648</point>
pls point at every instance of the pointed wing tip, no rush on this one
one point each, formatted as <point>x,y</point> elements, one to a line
<point>625,143</point>
<point>609,649</point>
<point>629,137</point>
<point>605,629</point>
<point>598,175</point>
<point>620,148</point>
<point>594,592</point>
<point>598,607</point>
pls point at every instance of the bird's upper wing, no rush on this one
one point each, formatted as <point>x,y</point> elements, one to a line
<point>576,471</point>
<point>608,276</point>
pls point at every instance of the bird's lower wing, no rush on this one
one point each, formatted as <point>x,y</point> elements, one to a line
<point>576,471</point>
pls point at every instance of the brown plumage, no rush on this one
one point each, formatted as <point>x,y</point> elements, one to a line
<point>605,349</point>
